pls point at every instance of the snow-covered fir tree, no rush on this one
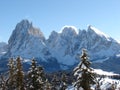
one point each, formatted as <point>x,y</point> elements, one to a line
<point>84,73</point>
<point>47,85</point>
<point>19,75</point>
<point>63,82</point>
<point>3,82</point>
<point>7,80</point>
<point>36,77</point>
<point>14,78</point>
<point>55,83</point>
<point>11,76</point>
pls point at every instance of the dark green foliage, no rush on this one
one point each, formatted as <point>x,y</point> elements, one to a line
<point>84,73</point>
<point>55,83</point>
<point>47,85</point>
<point>3,82</point>
<point>63,82</point>
<point>19,75</point>
<point>36,77</point>
<point>14,78</point>
<point>12,71</point>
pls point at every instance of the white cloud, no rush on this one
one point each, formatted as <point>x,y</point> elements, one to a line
<point>69,27</point>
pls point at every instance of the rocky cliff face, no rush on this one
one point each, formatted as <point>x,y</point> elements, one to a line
<point>62,45</point>
<point>62,48</point>
<point>69,43</point>
<point>26,41</point>
<point>98,44</point>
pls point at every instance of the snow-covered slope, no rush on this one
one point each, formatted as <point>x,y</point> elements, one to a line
<point>61,45</point>
<point>65,47</point>
<point>107,81</point>
<point>98,44</point>
<point>105,84</point>
<point>67,44</point>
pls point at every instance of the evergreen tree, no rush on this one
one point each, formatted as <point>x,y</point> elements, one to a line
<point>36,77</point>
<point>3,82</point>
<point>63,82</point>
<point>8,80</point>
<point>84,74</point>
<point>55,83</point>
<point>19,75</point>
<point>11,81</point>
<point>47,85</point>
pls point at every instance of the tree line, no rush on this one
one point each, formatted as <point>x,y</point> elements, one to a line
<point>82,77</point>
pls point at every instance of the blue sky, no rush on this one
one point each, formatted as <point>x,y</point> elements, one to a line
<point>51,15</point>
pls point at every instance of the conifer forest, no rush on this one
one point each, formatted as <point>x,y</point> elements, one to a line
<point>82,77</point>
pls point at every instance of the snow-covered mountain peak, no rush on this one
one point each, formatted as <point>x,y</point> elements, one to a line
<point>24,25</point>
<point>94,30</point>
<point>26,41</point>
<point>25,29</point>
<point>69,30</point>
<point>53,34</point>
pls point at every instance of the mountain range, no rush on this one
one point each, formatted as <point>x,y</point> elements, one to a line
<point>61,51</point>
